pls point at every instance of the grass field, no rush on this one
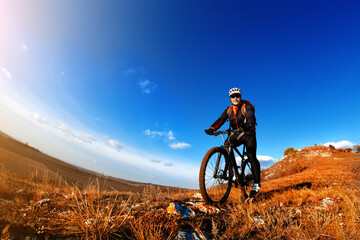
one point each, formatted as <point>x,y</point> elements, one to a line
<point>312,194</point>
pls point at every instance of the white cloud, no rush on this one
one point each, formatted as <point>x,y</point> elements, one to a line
<point>179,145</point>
<point>262,158</point>
<point>341,144</point>
<point>155,161</point>
<point>129,71</point>
<point>134,71</point>
<point>82,149</point>
<point>6,72</point>
<point>171,135</point>
<point>123,154</point>
<point>62,127</point>
<point>72,135</point>
<point>265,158</point>
<point>41,119</point>
<point>138,73</point>
<point>147,86</point>
<point>115,144</point>
<point>88,137</point>
<point>24,47</point>
<point>153,134</point>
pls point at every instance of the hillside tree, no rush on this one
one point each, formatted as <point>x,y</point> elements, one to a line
<point>289,151</point>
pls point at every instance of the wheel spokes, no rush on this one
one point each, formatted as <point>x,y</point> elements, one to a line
<point>215,182</point>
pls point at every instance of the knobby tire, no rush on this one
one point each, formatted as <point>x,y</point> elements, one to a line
<point>215,190</point>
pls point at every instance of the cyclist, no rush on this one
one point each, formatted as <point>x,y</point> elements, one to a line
<point>242,121</point>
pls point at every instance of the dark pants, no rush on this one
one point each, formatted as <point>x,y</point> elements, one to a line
<point>249,140</point>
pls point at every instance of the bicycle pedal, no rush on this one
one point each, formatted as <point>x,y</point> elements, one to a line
<point>253,193</point>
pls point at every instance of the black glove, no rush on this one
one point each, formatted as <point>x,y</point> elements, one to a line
<point>209,131</point>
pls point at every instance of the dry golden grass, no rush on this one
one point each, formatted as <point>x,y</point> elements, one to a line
<point>48,210</point>
<point>331,212</point>
<point>61,211</point>
<point>328,213</point>
<point>302,197</point>
<point>93,214</point>
<point>154,225</point>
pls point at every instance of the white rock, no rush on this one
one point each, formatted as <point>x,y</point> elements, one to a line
<point>258,221</point>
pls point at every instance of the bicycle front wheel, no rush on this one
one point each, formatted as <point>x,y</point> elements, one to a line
<point>215,176</point>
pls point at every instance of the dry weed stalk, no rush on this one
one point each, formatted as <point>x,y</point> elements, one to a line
<point>143,230</point>
<point>93,214</point>
<point>154,225</point>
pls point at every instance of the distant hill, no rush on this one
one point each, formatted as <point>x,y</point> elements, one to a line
<point>24,160</point>
<point>316,166</point>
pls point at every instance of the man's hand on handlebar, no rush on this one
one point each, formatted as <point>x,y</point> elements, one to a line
<point>209,131</point>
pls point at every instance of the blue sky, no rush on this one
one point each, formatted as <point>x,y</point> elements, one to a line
<point>126,88</point>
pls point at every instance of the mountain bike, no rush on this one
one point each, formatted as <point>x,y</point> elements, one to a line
<point>219,171</point>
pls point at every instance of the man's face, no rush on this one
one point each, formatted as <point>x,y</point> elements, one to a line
<point>235,99</point>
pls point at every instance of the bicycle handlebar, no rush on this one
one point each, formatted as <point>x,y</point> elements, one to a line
<point>222,132</point>
<point>228,131</point>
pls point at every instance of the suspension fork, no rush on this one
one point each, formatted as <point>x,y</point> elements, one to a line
<point>227,167</point>
<point>217,165</point>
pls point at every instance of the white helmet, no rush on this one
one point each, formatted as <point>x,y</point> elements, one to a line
<point>234,91</point>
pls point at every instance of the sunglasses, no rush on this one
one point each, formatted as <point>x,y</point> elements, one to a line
<point>235,96</point>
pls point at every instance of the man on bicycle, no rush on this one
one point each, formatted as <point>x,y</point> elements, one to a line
<point>242,121</point>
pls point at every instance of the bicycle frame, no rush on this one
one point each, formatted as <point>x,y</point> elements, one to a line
<point>240,177</point>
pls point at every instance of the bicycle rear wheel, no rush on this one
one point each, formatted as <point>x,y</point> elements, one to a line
<point>215,176</point>
<point>247,179</point>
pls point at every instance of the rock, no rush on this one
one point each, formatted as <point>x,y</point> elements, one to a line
<point>180,210</point>
<point>197,197</point>
<point>191,234</point>
<point>90,221</point>
<point>202,207</point>
<point>327,202</point>
<point>258,221</point>
<point>43,201</point>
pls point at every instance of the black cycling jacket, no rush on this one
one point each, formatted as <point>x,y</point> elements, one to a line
<point>236,116</point>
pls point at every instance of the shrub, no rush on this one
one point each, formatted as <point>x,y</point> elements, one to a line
<point>289,151</point>
<point>331,147</point>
